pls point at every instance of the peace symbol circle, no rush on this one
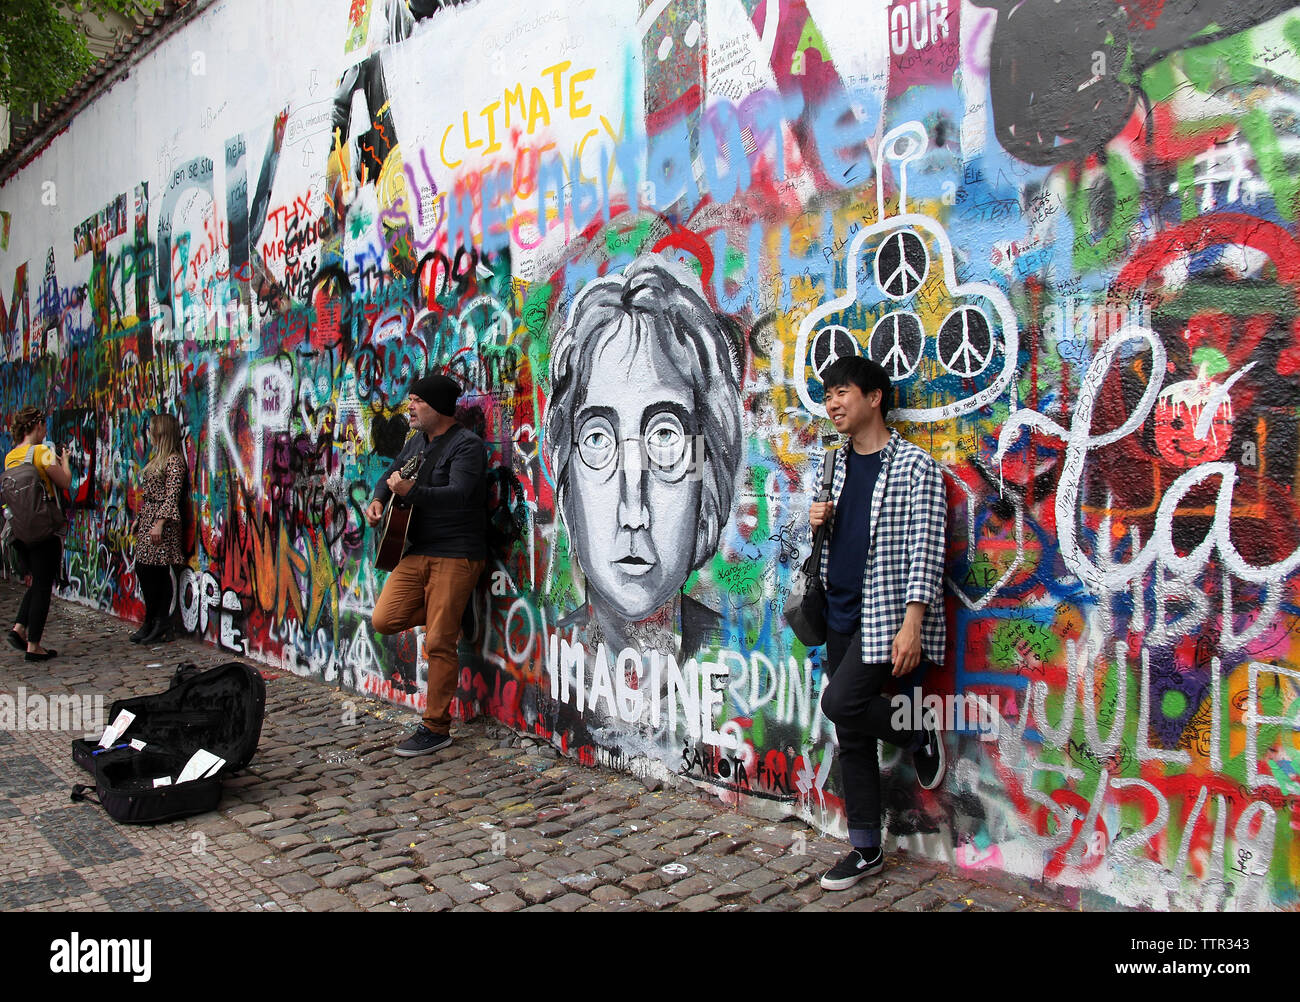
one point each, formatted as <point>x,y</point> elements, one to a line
<point>902,263</point>
<point>897,343</point>
<point>965,343</point>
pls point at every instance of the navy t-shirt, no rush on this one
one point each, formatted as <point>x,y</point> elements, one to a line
<point>850,540</point>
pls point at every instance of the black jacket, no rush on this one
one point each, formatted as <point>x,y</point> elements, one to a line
<point>450,495</point>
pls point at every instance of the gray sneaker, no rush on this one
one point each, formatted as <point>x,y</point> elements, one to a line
<point>422,742</point>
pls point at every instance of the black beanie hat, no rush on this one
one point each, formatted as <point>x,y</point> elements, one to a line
<point>438,391</point>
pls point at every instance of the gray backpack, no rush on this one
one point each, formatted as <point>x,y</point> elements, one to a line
<point>34,514</point>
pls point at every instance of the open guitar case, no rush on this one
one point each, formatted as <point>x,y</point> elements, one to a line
<point>219,710</point>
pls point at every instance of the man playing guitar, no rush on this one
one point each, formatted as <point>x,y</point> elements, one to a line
<point>441,475</point>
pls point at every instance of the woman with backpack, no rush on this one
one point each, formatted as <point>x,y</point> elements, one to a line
<point>158,528</point>
<point>41,557</point>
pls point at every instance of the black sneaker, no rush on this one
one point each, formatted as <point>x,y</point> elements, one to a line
<point>422,742</point>
<point>928,759</point>
<point>848,871</point>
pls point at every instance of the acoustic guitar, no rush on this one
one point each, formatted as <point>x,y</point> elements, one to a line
<point>396,522</point>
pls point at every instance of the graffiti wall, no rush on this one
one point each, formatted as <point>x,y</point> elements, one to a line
<point>637,232</point>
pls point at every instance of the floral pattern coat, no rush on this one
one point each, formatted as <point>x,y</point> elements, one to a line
<point>161,499</point>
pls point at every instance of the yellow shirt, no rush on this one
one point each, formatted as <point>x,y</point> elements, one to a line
<point>42,457</point>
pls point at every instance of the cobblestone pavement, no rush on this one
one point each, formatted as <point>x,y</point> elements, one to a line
<point>326,818</point>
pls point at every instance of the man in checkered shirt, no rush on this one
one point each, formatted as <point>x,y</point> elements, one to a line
<point>883,572</point>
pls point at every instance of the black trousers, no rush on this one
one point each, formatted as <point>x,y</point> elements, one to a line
<point>42,561</point>
<point>854,703</point>
<point>156,589</point>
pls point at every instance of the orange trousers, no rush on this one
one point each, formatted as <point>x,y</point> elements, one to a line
<point>432,591</point>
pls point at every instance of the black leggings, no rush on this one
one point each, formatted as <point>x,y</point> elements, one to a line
<point>853,702</point>
<point>156,589</point>
<point>42,561</point>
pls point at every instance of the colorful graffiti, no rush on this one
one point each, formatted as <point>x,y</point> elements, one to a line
<point>638,234</point>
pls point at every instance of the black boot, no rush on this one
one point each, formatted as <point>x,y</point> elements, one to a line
<point>163,632</point>
<point>146,628</point>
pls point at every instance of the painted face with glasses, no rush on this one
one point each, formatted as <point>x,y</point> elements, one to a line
<point>636,483</point>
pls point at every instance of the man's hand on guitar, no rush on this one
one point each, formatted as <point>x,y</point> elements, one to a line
<point>399,486</point>
<point>374,513</point>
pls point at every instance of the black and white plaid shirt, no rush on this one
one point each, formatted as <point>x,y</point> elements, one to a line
<point>909,512</point>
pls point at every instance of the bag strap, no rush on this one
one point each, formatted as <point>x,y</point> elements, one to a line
<point>819,537</point>
<point>47,485</point>
<point>828,469</point>
<point>79,793</point>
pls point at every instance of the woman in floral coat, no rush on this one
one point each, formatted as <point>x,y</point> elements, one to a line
<point>158,528</point>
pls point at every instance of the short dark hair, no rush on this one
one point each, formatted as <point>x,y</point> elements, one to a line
<point>863,373</point>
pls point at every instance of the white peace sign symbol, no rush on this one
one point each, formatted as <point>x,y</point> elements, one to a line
<point>901,338</point>
<point>973,348</point>
<point>832,342</point>
<point>902,262</point>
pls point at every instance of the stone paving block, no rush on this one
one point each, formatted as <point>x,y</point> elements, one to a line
<point>296,883</point>
<point>610,892</point>
<point>559,866</point>
<point>536,888</point>
<point>763,893</point>
<point>923,900</point>
<point>787,863</point>
<point>445,867</point>
<point>274,867</point>
<point>639,882</point>
<point>905,871</point>
<point>392,878</point>
<point>504,902</point>
<point>991,899</point>
<point>435,902</point>
<point>657,899</point>
<point>493,869</point>
<point>727,867</point>
<point>460,891</point>
<point>345,876</point>
<point>670,830</point>
<point>250,853</point>
<point>582,882</point>
<point>866,904</point>
<point>947,887</point>
<point>698,883</point>
<point>369,826</point>
<point>282,842</point>
<point>589,859</point>
<point>369,894</point>
<point>324,900</point>
<point>699,903</point>
<point>622,905</point>
<point>326,860</point>
<point>383,863</point>
<point>570,902</point>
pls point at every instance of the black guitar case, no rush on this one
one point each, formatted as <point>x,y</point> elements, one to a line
<point>219,710</point>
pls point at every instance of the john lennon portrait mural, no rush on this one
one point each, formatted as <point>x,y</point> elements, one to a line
<point>644,437</point>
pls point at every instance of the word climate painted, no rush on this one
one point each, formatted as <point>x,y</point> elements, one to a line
<point>637,234</point>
